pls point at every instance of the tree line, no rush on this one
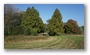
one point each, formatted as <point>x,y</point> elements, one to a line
<point>29,22</point>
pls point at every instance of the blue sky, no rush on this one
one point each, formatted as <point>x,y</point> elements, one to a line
<point>68,11</point>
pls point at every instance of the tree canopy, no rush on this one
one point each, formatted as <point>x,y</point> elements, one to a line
<point>31,22</point>
<point>55,24</point>
<point>12,20</point>
<point>71,27</point>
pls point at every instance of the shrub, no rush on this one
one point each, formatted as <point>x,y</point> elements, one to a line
<point>27,31</point>
<point>34,32</point>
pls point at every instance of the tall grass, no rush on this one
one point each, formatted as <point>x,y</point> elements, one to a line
<point>43,42</point>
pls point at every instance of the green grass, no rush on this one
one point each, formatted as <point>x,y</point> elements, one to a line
<point>42,42</point>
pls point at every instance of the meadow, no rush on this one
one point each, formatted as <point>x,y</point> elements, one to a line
<point>44,42</point>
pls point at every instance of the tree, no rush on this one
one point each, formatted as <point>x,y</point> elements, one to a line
<point>71,27</point>
<point>81,30</point>
<point>55,24</point>
<point>32,22</point>
<point>12,20</point>
<point>8,13</point>
<point>82,27</point>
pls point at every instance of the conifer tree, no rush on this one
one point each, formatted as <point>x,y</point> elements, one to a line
<point>31,22</point>
<point>55,24</point>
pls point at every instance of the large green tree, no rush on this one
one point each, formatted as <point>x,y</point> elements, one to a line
<point>55,24</point>
<point>31,22</point>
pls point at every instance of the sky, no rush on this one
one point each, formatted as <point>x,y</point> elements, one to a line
<point>68,11</point>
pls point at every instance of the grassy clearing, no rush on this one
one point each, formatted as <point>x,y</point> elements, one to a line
<point>42,42</point>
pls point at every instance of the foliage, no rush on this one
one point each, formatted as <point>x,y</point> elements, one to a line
<point>81,30</point>
<point>34,31</point>
<point>29,22</point>
<point>12,20</point>
<point>32,21</point>
<point>71,27</point>
<point>55,24</point>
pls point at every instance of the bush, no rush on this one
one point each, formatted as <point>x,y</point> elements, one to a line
<point>27,31</point>
<point>17,30</point>
<point>6,31</point>
<point>34,32</point>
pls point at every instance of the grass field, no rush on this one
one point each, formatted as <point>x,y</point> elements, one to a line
<point>42,42</point>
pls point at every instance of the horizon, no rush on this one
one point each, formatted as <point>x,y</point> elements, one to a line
<point>68,11</point>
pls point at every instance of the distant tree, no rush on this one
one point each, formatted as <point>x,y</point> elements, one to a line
<point>55,24</point>
<point>81,30</point>
<point>82,27</point>
<point>31,22</point>
<point>71,27</point>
